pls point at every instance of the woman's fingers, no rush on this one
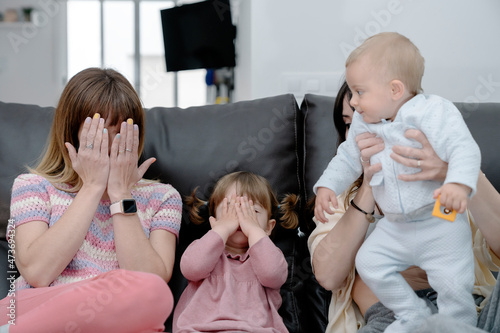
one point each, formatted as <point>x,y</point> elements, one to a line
<point>369,144</point>
<point>90,141</point>
<point>99,136</point>
<point>418,136</point>
<point>425,158</point>
<point>122,144</point>
<point>83,135</point>
<point>129,140</point>
<point>71,152</point>
<point>145,166</point>
<point>400,154</point>
<point>91,161</point>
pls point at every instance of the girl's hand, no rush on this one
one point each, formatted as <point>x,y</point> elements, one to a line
<point>248,216</point>
<point>369,144</point>
<point>91,162</point>
<point>124,173</point>
<point>226,223</point>
<point>425,158</point>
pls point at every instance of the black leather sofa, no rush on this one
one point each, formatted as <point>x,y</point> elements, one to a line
<point>273,137</point>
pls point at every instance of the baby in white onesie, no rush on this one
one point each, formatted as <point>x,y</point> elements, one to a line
<point>384,75</point>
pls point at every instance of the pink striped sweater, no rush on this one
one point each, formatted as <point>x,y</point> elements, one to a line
<point>159,206</point>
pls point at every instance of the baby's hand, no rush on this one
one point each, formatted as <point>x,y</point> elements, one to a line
<point>323,199</point>
<point>453,196</point>
<point>227,221</point>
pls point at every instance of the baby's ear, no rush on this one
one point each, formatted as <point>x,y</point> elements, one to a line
<point>270,226</point>
<point>397,89</point>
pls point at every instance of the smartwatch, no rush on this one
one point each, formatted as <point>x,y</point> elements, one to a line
<point>125,206</point>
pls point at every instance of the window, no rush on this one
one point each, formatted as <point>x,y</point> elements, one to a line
<point>102,33</point>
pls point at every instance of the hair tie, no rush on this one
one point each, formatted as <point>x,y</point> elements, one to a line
<point>279,206</point>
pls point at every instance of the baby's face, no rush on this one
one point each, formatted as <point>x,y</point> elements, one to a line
<point>371,94</point>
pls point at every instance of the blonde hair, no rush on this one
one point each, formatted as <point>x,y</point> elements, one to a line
<point>396,56</point>
<point>93,90</point>
<point>257,188</point>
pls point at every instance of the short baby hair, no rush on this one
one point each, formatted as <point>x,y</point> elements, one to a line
<point>396,56</point>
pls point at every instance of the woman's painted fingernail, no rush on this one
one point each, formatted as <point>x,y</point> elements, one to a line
<point>136,127</point>
<point>105,130</point>
<point>97,115</point>
<point>87,120</point>
<point>101,121</point>
<point>130,121</point>
<point>118,135</point>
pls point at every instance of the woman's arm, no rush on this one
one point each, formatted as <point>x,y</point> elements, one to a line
<point>485,208</point>
<point>333,257</point>
<point>42,253</point>
<point>136,252</point>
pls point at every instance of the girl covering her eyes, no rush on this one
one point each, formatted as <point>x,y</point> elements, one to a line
<point>235,271</point>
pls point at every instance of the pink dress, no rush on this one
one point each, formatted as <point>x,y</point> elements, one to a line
<point>231,293</point>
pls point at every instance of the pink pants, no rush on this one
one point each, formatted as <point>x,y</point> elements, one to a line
<point>116,301</point>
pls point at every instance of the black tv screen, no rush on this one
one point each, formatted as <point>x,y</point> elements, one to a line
<point>199,35</point>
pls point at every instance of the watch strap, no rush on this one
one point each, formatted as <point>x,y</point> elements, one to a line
<point>116,208</point>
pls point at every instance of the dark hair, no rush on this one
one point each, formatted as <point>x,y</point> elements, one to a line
<point>256,188</point>
<point>338,120</point>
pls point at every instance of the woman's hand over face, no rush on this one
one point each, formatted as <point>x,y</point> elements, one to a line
<point>124,172</point>
<point>91,161</point>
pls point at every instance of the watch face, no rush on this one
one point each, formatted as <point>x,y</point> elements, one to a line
<point>129,206</point>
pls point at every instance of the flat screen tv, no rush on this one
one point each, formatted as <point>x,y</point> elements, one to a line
<point>198,35</point>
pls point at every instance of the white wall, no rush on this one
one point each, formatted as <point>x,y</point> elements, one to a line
<point>300,46</point>
<point>33,57</point>
<point>294,46</point>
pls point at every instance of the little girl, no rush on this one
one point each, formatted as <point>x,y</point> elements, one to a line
<point>235,271</point>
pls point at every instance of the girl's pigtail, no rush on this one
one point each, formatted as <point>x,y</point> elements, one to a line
<point>195,205</point>
<point>289,211</point>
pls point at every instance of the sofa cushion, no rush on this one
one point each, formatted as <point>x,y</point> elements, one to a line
<point>194,147</point>
<point>320,138</point>
<point>23,141</point>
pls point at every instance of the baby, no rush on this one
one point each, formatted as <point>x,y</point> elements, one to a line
<point>384,75</point>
